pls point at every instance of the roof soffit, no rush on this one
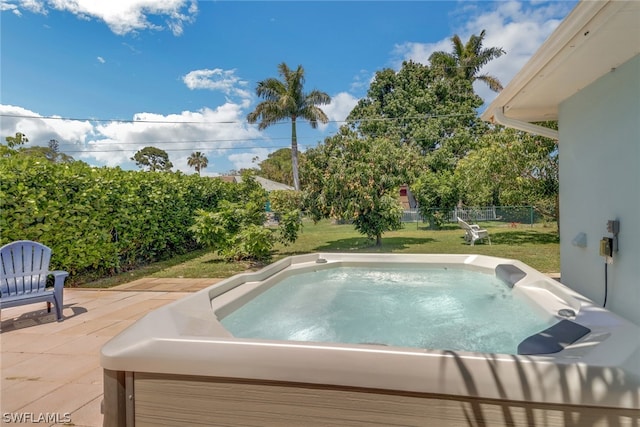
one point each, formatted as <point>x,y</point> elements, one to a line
<point>593,40</point>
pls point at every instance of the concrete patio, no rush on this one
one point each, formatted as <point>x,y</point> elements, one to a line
<point>51,370</point>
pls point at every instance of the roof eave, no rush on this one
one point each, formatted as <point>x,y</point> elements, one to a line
<point>553,49</point>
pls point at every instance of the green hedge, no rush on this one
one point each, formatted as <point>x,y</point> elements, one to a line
<point>102,220</point>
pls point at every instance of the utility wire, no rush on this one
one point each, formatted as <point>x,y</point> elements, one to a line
<point>89,151</point>
<point>283,122</point>
<point>189,141</point>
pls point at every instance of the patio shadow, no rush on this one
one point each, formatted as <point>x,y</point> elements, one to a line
<point>39,317</point>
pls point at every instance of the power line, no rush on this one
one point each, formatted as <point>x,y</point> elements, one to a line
<point>178,149</point>
<point>76,119</point>
<point>88,149</point>
<point>283,122</point>
<point>188,141</point>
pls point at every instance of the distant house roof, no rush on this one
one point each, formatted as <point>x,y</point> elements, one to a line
<point>267,184</point>
<point>227,178</point>
<point>594,39</point>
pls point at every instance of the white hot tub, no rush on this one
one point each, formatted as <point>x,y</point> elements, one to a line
<point>181,365</point>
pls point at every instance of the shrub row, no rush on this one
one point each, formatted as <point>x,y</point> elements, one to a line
<point>102,220</point>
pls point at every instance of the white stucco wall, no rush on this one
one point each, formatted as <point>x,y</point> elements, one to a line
<point>599,150</point>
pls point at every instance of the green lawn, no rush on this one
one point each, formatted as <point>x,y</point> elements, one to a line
<point>537,246</point>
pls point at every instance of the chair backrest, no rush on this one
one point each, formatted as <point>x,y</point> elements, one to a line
<point>24,267</point>
<point>463,224</point>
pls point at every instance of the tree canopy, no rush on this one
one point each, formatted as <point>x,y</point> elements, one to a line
<point>285,99</point>
<point>437,116</point>
<point>19,139</point>
<point>198,161</point>
<point>358,179</point>
<point>416,105</point>
<point>153,158</point>
<point>48,153</point>
<point>430,113</point>
<point>511,167</point>
<point>51,152</point>
<point>277,166</point>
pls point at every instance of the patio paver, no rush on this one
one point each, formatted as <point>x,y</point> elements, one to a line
<point>50,367</point>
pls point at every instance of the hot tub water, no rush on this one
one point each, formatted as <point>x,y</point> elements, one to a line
<point>421,307</point>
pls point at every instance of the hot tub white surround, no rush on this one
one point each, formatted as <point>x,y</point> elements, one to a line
<point>180,366</point>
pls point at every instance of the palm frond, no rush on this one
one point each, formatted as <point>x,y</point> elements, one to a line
<point>285,99</point>
<point>491,81</point>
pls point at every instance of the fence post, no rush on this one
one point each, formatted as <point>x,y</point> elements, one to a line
<point>531,215</point>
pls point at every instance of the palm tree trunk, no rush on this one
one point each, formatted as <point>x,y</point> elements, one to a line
<point>294,154</point>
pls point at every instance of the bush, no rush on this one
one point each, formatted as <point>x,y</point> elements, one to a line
<point>236,229</point>
<point>102,220</point>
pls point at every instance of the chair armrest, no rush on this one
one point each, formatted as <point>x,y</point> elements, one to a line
<point>475,226</point>
<point>58,288</point>
<point>59,277</point>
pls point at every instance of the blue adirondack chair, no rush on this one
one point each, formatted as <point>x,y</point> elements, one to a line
<point>24,268</point>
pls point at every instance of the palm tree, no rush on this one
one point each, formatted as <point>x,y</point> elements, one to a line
<point>285,99</point>
<point>198,161</point>
<point>467,60</point>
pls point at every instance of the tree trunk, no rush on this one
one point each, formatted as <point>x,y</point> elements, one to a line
<point>294,154</point>
<point>378,239</point>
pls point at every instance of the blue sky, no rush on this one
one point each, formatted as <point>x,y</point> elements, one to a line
<point>107,78</point>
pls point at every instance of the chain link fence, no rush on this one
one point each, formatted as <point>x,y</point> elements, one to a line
<point>525,215</point>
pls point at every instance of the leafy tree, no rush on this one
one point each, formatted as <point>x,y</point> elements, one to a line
<point>153,158</point>
<point>51,152</point>
<point>285,200</point>
<point>277,166</point>
<point>46,153</point>
<point>436,194</point>
<point>358,179</point>
<point>511,167</point>
<point>54,146</point>
<point>285,99</point>
<point>436,114</point>
<point>466,60</point>
<point>198,161</point>
<point>19,139</point>
<point>416,105</point>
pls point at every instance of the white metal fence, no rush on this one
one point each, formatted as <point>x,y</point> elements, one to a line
<point>511,214</point>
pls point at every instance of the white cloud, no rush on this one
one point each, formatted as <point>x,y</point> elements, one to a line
<point>518,28</point>
<point>35,6</point>
<point>219,132</point>
<point>101,60</point>
<point>219,80</point>
<point>418,52</point>
<point>39,130</point>
<point>5,6</point>
<point>248,159</point>
<point>206,130</point>
<point>362,81</point>
<point>123,16</point>
<point>339,108</point>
